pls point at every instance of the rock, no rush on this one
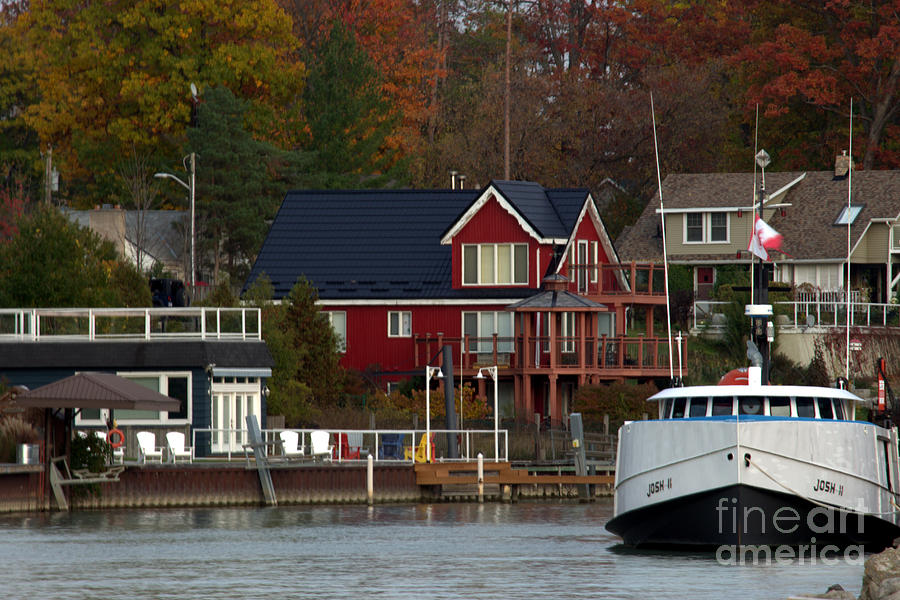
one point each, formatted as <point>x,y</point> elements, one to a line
<point>881,579</point>
<point>835,592</point>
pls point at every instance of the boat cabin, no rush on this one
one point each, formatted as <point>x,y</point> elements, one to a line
<point>787,402</point>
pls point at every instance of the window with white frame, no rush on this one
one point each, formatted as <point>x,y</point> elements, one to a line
<point>399,323</point>
<point>480,327</point>
<point>175,385</point>
<point>706,228</point>
<point>338,320</point>
<point>495,264</point>
<point>568,332</point>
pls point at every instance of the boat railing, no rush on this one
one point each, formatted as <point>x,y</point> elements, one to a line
<point>92,324</point>
<point>228,444</point>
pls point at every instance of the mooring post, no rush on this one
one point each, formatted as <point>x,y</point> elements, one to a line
<point>480,477</point>
<point>370,479</point>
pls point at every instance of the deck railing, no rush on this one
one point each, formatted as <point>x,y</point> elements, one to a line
<point>608,279</point>
<point>227,444</point>
<point>130,323</point>
<point>568,353</point>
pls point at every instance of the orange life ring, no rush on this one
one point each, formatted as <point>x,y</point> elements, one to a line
<point>119,440</point>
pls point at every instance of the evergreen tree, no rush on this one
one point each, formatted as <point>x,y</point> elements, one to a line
<point>346,113</point>
<point>240,183</point>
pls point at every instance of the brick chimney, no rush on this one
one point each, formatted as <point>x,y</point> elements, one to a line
<point>842,164</point>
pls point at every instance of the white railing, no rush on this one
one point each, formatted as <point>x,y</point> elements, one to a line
<point>227,444</point>
<point>834,314</point>
<point>34,324</point>
<point>827,296</point>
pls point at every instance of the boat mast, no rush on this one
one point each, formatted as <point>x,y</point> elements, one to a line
<point>662,217</point>
<point>759,309</point>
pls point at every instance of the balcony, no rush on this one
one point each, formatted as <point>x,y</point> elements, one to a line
<point>93,324</point>
<point>618,280</point>
<point>614,356</point>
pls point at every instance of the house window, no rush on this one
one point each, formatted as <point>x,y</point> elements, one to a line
<point>853,213</point>
<point>175,385</point>
<point>495,264</point>
<point>718,227</point>
<point>338,320</point>
<point>481,327</point>
<point>694,225</point>
<point>568,332</point>
<point>706,228</point>
<point>399,324</point>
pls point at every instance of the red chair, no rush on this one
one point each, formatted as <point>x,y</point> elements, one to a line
<point>342,449</point>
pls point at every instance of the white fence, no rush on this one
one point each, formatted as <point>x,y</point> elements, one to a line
<point>398,445</point>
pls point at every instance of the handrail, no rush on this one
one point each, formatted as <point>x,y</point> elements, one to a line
<point>471,441</point>
<point>92,324</point>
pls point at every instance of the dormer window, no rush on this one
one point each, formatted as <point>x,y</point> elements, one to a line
<point>495,264</point>
<point>853,213</point>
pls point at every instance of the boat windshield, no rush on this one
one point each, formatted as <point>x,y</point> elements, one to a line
<point>775,406</point>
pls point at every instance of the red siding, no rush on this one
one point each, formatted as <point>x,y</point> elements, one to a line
<point>493,225</point>
<point>368,343</point>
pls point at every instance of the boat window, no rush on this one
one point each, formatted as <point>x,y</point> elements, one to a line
<point>805,408</point>
<point>838,409</point>
<point>825,408</point>
<point>698,407</point>
<point>723,406</point>
<point>678,408</point>
<point>750,405</point>
<point>667,409</point>
<point>780,407</point>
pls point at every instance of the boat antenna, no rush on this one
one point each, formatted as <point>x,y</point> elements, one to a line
<point>662,218</point>
<point>849,221</point>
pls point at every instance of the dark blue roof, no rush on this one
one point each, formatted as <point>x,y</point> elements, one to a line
<point>382,244</point>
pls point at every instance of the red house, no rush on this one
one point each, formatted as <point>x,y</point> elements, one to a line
<point>512,275</point>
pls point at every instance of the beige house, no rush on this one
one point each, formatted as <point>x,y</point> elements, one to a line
<point>145,237</point>
<point>709,219</point>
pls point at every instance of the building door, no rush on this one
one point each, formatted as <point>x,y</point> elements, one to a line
<point>705,280</point>
<point>233,398</point>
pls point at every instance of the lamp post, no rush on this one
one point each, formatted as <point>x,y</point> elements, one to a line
<point>492,371</point>
<point>429,373</point>
<point>190,188</point>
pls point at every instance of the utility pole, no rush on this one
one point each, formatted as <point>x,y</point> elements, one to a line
<point>506,98</point>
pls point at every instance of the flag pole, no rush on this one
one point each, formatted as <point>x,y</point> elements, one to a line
<point>849,220</point>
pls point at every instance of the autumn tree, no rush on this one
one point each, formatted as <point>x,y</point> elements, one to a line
<point>808,59</point>
<point>116,74</point>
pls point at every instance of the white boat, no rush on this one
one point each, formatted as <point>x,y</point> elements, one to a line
<point>756,465</point>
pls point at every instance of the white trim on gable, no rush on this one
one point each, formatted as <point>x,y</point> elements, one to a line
<point>783,190</point>
<point>590,208</point>
<point>486,195</point>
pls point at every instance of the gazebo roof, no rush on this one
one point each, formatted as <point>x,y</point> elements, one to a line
<point>556,299</point>
<point>96,390</point>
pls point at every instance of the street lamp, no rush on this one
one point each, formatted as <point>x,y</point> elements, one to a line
<point>190,188</point>
<point>429,373</point>
<point>492,371</point>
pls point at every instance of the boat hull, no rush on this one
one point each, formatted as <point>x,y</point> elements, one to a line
<point>740,515</point>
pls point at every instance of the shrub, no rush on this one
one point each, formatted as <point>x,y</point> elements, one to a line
<point>621,401</point>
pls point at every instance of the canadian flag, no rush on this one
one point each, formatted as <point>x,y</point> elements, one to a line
<point>764,238</point>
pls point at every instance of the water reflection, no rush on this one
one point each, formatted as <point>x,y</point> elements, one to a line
<point>420,551</point>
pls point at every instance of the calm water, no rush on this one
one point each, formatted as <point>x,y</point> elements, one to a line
<point>533,551</point>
